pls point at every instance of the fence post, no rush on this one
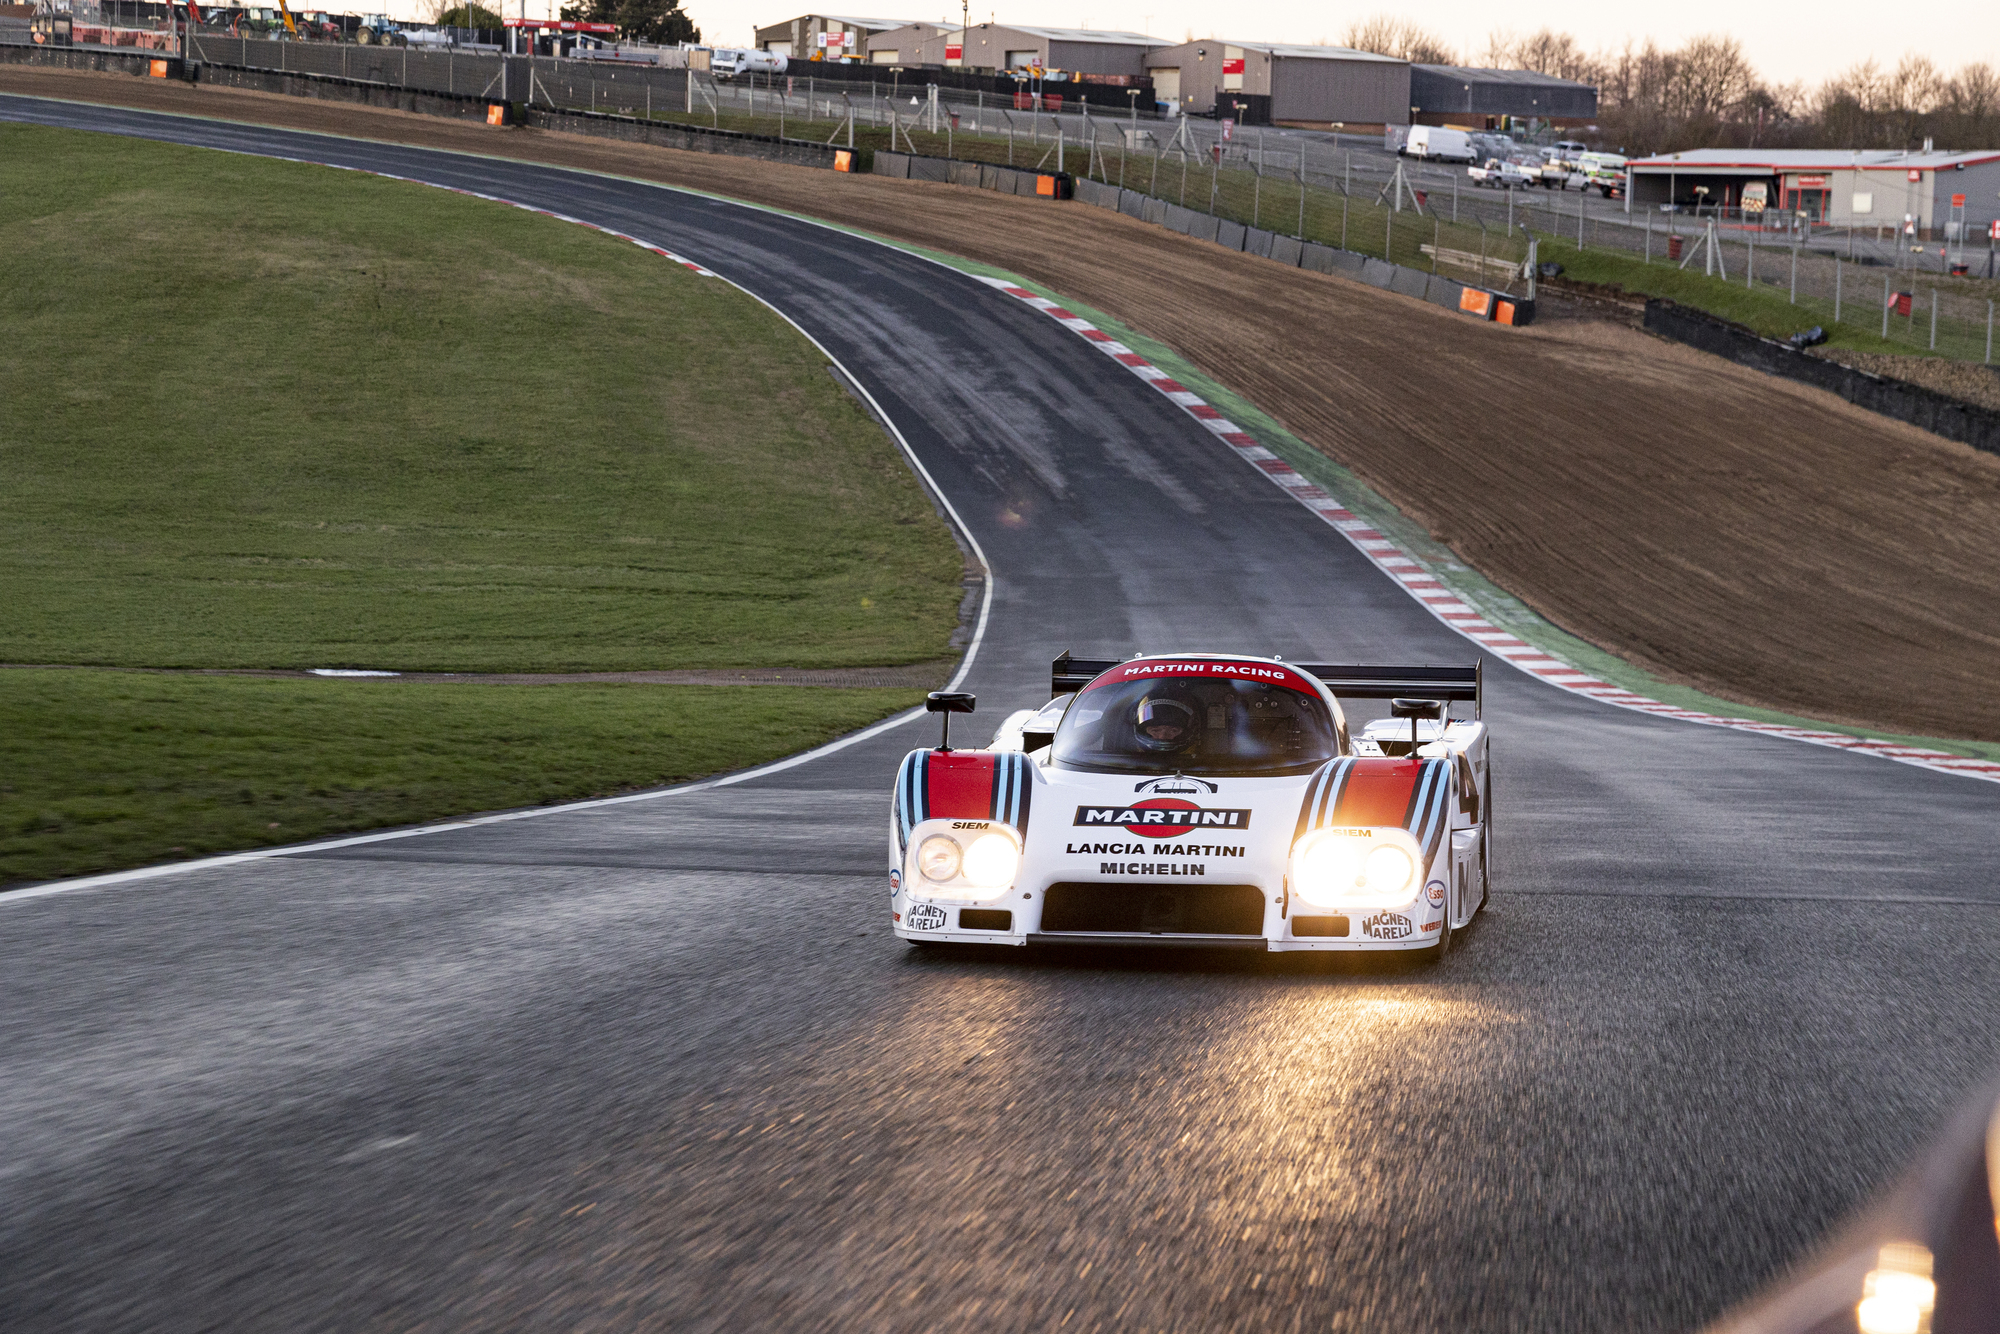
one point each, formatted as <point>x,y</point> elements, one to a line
<point>1989,333</point>
<point>1836,289</point>
<point>1437,239</point>
<point>1934,319</point>
<point>1649,238</point>
<point>1795,268</point>
<point>1885,306</point>
<point>1302,190</point>
<point>1750,262</point>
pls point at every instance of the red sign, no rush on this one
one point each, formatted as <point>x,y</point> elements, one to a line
<point>1958,201</point>
<point>1915,174</point>
<point>954,53</point>
<point>554,25</point>
<point>1812,182</point>
<point>1232,66</point>
<point>1994,230</point>
<point>1228,129</point>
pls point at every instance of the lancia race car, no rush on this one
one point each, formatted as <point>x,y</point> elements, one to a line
<point>1211,800</point>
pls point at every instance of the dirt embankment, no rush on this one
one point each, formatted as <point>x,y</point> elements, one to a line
<point>1756,538</point>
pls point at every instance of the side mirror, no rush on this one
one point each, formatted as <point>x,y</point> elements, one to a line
<point>1414,709</point>
<point>948,702</point>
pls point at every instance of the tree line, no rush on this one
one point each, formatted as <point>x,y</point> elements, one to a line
<point>1706,94</point>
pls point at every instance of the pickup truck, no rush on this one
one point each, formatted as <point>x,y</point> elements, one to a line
<point>1501,175</point>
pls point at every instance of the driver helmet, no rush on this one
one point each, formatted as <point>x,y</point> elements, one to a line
<point>1162,724</point>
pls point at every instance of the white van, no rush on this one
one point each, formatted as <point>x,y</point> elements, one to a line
<point>1434,141</point>
<point>738,60</point>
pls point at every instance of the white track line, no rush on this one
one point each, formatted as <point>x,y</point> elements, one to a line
<point>503,817</point>
<point>1435,598</point>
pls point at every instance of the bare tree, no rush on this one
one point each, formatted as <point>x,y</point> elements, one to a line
<point>1387,35</point>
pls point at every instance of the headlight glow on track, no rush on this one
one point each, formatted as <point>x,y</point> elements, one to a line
<point>1346,868</point>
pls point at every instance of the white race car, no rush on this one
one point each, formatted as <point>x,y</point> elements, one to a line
<point>1202,799</point>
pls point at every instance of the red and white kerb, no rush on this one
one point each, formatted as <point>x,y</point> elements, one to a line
<point>1425,587</point>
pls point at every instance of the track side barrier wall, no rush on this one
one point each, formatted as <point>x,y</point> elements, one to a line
<point>688,138</point>
<point>1966,423</point>
<point>1290,251</point>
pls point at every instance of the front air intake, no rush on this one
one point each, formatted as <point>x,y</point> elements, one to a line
<point>1143,909</point>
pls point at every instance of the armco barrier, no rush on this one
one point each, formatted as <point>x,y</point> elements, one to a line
<point>687,138</point>
<point>1288,250</point>
<point>328,88</point>
<point>1966,423</point>
<point>104,62</point>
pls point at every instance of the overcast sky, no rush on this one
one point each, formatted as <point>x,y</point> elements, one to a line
<point>1786,42</point>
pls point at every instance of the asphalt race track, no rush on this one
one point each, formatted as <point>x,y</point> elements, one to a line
<point>662,1065</point>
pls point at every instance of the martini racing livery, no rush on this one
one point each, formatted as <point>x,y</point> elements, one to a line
<point>1205,799</point>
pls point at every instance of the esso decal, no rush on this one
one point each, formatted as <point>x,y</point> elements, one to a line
<point>1436,890</point>
<point>895,881</point>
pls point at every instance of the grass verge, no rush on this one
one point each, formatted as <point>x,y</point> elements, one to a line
<point>265,414</point>
<point>107,769</point>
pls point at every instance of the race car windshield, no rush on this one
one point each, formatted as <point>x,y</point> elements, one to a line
<point>1198,725</point>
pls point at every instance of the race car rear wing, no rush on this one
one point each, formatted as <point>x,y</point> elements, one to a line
<point>1346,680</point>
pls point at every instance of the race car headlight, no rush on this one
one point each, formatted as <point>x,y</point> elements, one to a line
<point>1355,868</point>
<point>939,858</point>
<point>991,861</point>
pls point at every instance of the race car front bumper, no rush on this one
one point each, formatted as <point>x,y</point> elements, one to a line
<point>1204,916</point>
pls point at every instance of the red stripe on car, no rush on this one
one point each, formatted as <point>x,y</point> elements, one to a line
<point>1377,792</point>
<point>960,785</point>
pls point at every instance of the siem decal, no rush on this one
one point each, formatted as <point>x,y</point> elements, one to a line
<point>1436,890</point>
<point>924,917</point>
<point>1386,926</point>
<point>970,824</point>
<point>1162,817</point>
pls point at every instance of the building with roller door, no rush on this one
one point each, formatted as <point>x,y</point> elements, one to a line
<point>1315,87</point>
<point>823,36</point>
<point>1487,99</point>
<point>996,48</point>
<point>1928,193</point>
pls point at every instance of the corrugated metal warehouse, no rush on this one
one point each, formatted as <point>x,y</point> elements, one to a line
<point>1838,187</point>
<point>830,36</point>
<point>1482,99</point>
<point>996,47</point>
<point>1313,86</point>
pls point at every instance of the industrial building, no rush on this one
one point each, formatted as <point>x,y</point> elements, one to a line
<point>1307,86</point>
<point>997,47</point>
<point>1836,187</point>
<point>1487,99</point>
<point>824,36</point>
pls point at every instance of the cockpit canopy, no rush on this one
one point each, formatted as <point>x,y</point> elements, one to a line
<point>1205,724</point>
